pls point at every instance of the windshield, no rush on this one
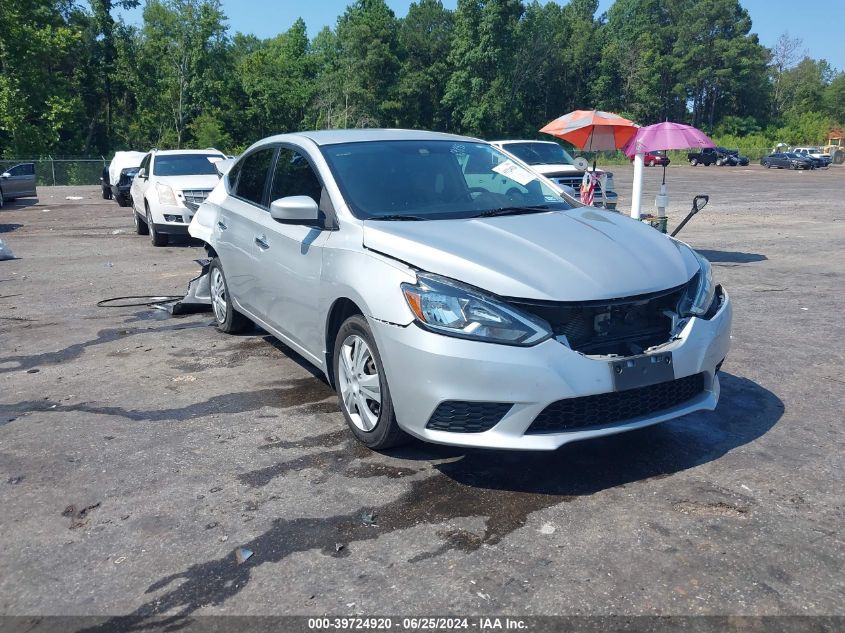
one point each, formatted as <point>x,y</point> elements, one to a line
<point>431,180</point>
<point>540,153</point>
<point>186,164</point>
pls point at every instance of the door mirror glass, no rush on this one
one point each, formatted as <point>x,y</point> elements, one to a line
<point>5,174</point>
<point>142,173</point>
<point>295,210</point>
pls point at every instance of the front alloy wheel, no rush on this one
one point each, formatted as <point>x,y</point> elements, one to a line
<point>358,381</point>
<point>362,388</point>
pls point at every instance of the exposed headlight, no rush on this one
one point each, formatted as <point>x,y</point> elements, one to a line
<point>451,308</point>
<point>700,292</point>
<point>165,194</point>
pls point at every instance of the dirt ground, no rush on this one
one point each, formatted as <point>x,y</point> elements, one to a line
<point>138,451</point>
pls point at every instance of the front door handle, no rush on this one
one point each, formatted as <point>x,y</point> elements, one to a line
<point>222,225</point>
<point>262,242</point>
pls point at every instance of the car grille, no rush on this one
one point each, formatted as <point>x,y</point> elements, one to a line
<point>574,180</point>
<point>195,197</point>
<point>616,407</point>
<point>624,327</point>
<point>467,417</point>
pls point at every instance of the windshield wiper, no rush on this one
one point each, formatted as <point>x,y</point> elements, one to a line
<point>511,211</point>
<point>397,217</point>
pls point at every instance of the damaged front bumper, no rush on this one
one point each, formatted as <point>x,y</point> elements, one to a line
<point>467,393</point>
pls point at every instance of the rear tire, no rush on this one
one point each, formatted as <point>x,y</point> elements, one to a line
<point>228,319</point>
<point>106,194</point>
<point>356,380</point>
<point>156,238</point>
<point>2,200</point>
<point>693,162</point>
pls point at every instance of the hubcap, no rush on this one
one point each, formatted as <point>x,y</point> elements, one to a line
<point>218,295</point>
<point>360,389</point>
<point>151,226</point>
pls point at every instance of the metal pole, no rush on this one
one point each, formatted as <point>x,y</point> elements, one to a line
<point>53,169</point>
<point>637,192</point>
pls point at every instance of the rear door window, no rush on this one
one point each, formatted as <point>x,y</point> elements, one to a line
<point>252,179</point>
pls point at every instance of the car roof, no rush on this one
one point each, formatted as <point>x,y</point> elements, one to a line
<point>176,152</point>
<point>534,140</point>
<point>333,137</point>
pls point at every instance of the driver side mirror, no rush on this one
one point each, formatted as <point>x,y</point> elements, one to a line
<point>5,175</point>
<point>142,173</point>
<point>295,210</point>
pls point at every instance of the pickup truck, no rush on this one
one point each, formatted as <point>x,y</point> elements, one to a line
<point>717,156</point>
<point>552,161</point>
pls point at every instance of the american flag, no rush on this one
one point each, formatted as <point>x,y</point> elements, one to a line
<point>588,188</point>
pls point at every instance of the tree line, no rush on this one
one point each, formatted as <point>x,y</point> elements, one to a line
<point>76,80</point>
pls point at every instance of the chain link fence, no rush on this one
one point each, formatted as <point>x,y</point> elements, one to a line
<point>53,171</point>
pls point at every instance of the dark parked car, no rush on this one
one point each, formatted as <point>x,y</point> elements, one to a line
<point>105,185</point>
<point>17,182</point>
<point>120,190</point>
<point>732,157</point>
<point>786,160</point>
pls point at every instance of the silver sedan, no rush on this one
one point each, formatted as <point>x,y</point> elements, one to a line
<point>450,293</point>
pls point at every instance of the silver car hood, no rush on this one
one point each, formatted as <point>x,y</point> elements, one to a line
<point>577,255</point>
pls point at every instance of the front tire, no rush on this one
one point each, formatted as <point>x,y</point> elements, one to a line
<point>362,387</point>
<point>228,319</point>
<point>156,238</point>
<point>693,161</point>
<point>106,194</point>
<point>2,200</point>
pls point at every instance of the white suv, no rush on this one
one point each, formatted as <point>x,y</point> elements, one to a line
<point>169,187</point>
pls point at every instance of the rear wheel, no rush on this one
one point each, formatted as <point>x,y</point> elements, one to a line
<point>651,163</point>
<point>156,238</point>
<point>106,193</point>
<point>693,161</point>
<point>2,201</point>
<point>362,387</point>
<point>228,319</point>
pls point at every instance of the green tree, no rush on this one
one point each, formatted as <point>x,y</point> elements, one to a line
<point>366,64</point>
<point>177,71</point>
<point>479,91</point>
<point>424,38</point>
<point>39,104</point>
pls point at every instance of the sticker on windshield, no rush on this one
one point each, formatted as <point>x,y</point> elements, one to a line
<point>514,172</point>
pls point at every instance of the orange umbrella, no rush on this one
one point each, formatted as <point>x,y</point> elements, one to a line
<point>592,130</point>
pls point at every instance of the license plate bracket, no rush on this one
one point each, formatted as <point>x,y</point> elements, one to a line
<point>642,371</point>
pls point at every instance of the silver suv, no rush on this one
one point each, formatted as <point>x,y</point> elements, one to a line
<point>451,294</point>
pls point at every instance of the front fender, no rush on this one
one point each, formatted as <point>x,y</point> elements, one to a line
<point>369,279</point>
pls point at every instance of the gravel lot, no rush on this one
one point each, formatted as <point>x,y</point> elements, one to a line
<point>138,451</point>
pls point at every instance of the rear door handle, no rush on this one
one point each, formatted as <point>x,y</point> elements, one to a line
<point>262,242</point>
<point>222,225</point>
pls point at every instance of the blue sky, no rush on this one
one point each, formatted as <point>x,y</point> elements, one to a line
<point>819,23</point>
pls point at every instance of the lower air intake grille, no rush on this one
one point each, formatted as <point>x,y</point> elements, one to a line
<point>618,406</point>
<point>467,417</point>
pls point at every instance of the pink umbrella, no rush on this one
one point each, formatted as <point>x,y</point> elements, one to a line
<point>668,135</point>
<point>660,136</point>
